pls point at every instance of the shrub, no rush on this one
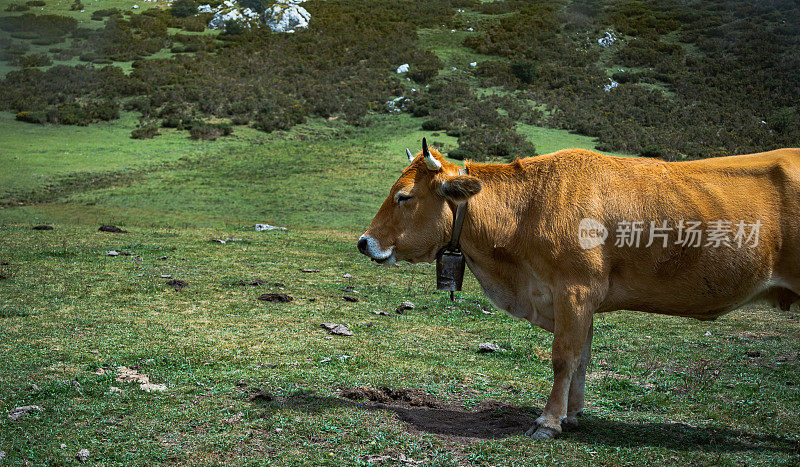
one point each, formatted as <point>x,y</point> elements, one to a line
<point>434,124</point>
<point>184,8</point>
<point>35,3</point>
<point>31,60</point>
<point>32,117</point>
<point>145,132</point>
<point>77,5</point>
<point>258,6</point>
<point>524,70</point>
<point>17,7</point>
<point>425,65</point>
<point>98,15</point>
<point>210,131</point>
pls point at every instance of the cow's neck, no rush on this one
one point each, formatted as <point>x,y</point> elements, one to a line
<point>496,238</point>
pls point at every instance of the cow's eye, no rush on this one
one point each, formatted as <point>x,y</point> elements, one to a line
<point>402,198</point>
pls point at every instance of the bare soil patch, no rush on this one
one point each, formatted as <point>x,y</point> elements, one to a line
<point>425,413</point>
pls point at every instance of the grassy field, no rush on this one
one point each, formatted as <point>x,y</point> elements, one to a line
<point>253,382</point>
<point>661,390</point>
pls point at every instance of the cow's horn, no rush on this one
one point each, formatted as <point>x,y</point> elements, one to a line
<point>410,156</point>
<point>430,161</point>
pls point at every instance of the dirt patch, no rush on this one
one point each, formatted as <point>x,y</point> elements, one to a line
<point>276,297</point>
<point>111,228</point>
<point>451,421</point>
<point>254,282</point>
<point>177,284</point>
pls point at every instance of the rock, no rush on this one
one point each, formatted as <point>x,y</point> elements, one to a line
<point>379,312</point>
<point>347,276</point>
<point>116,390</point>
<point>264,227</point>
<point>403,68</point>
<point>162,258</point>
<point>488,347</point>
<point>2,455</point>
<point>287,16</point>
<point>348,298</point>
<point>338,329</point>
<point>150,387</point>
<point>19,412</point>
<point>403,307</point>
<point>226,240</point>
<point>113,253</point>
<point>234,419</point>
<point>308,270</point>
<point>177,283</point>
<point>42,227</point>
<point>754,353</point>
<point>82,455</point>
<point>166,276</point>
<point>708,333</point>
<point>276,297</point>
<point>111,228</point>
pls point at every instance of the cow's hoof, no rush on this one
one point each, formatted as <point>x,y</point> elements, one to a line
<point>569,423</point>
<point>542,432</point>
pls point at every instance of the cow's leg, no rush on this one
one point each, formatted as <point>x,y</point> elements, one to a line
<point>573,319</point>
<point>576,397</point>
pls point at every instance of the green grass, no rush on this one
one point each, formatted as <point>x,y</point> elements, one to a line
<point>660,389</point>
<point>67,309</point>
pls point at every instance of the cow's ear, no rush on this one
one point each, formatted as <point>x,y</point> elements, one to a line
<point>460,188</point>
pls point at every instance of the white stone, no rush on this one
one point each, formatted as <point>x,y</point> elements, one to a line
<point>403,68</point>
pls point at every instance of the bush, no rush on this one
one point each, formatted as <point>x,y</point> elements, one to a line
<point>184,8</point>
<point>145,132</point>
<point>258,6</point>
<point>524,70</point>
<point>98,15</point>
<point>31,60</point>
<point>17,7</point>
<point>210,131</point>
<point>424,66</point>
<point>77,5</point>
<point>35,3</point>
<point>434,124</point>
<point>32,117</point>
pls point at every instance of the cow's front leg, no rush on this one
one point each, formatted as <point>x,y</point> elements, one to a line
<point>576,398</point>
<point>573,320</point>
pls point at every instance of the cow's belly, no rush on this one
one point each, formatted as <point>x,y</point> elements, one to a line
<point>701,296</point>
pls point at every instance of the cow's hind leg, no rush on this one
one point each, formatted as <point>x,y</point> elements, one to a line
<point>576,398</point>
<point>573,310</point>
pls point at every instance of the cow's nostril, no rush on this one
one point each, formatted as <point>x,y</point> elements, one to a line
<point>362,245</point>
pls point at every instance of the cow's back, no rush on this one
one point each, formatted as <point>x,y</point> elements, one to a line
<point>758,189</point>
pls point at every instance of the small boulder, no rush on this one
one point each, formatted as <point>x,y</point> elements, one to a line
<point>486,347</point>
<point>82,455</point>
<point>338,329</point>
<point>403,307</point>
<point>19,412</point>
<point>43,227</point>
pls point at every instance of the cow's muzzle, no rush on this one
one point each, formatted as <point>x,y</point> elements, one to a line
<point>372,248</point>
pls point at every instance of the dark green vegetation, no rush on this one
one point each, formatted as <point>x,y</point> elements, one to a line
<point>661,390</point>
<point>696,78</point>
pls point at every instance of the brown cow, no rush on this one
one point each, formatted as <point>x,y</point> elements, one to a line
<point>538,237</point>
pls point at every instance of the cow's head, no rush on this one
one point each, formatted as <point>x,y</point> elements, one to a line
<point>416,219</point>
